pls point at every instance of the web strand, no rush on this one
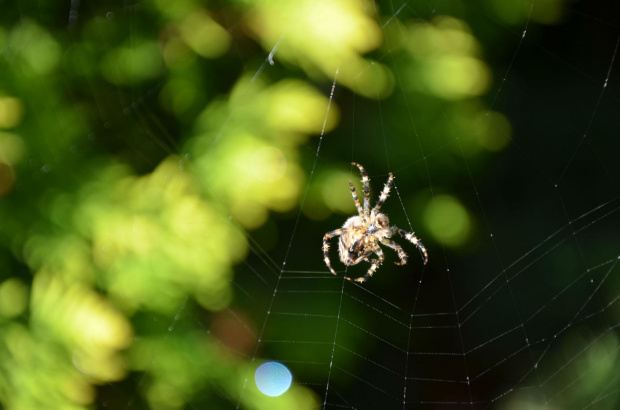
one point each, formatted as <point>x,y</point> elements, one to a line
<point>594,111</point>
<point>275,291</point>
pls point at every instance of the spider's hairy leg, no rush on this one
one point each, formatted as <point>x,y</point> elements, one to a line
<point>401,254</point>
<point>366,183</point>
<point>411,238</point>
<point>384,193</point>
<point>357,200</point>
<point>375,264</point>
<point>326,239</point>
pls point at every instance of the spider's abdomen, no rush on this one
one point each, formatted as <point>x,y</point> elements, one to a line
<point>352,246</point>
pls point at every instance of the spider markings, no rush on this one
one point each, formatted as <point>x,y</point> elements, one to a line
<point>361,235</point>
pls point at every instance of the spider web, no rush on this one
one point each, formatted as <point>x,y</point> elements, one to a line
<point>525,312</point>
<point>529,313</point>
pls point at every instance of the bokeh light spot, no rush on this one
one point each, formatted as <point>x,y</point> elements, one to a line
<point>13,298</point>
<point>269,164</point>
<point>336,193</point>
<point>204,35</point>
<point>132,64</point>
<point>448,220</point>
<point>11,112</point>
<point>322,35</point>
<point>11,148</point>
<point>457,77</point>
<point>493,131</point>
<point>294,106</point>
<point>446,63</point>
<point>273,378</point>
<point>36,47</point>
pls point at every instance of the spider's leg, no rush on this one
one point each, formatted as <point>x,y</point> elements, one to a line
<point>357,201</point>
<point>401,254</point>
<point>384,193</point>
<point>375,264</point>
<point>411,238</point>
<point>326,238</point>
<point>366,183</point>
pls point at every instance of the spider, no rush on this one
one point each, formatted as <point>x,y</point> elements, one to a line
<point>361,235</point>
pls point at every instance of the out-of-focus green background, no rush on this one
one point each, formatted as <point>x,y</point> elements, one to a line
<point>169,168</point>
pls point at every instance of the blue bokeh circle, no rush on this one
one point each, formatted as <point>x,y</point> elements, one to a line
<point>273,378</point>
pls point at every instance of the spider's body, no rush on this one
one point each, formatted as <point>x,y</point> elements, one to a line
<point>360,239</point>
<point>361,235</point>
